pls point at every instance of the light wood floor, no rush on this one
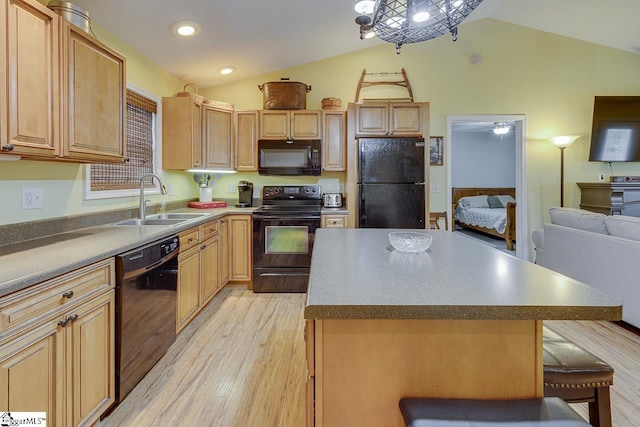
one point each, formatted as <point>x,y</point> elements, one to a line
<point>241,362</point>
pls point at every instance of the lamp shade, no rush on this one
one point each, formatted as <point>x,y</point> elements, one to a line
<point>563,140</point>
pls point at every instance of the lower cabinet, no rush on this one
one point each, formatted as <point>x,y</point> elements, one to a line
<point>198,270</point>
<point>61,358</point>
<point>240,248</point>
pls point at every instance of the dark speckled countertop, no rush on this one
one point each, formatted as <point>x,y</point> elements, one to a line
<point>356,274</point>
<point>34,261</point>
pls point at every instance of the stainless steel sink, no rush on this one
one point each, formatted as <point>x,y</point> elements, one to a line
<point>150,221</point>
<point>181,216</point>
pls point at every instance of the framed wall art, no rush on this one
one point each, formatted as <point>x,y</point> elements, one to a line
<point>436,150</point>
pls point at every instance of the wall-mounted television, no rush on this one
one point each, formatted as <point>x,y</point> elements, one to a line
<point>615,135</point>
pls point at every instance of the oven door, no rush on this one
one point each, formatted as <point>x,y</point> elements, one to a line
<point>282,249</point>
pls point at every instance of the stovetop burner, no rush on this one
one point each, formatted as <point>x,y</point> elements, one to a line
<point>291,200</point>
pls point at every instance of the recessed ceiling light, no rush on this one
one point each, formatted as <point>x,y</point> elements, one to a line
<point>227,69</point>
<point>185,29</point>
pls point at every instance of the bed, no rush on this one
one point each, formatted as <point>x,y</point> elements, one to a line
<point>473,208</point>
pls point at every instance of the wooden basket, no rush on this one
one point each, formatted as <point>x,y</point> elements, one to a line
<point>196,97</point>
<point>284,95</point>
<point>331,103</point>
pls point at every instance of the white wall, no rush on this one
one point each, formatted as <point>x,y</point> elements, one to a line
<point>483,159</point>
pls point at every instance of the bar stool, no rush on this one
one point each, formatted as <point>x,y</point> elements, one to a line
<point>434,217</point>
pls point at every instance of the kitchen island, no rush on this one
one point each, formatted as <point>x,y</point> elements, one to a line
<point>461,320</point>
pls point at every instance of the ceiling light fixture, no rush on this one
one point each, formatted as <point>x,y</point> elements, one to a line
<point>412,21</point>
<point>185,29</point>
<point>227,69</point>
<point>501,129</point>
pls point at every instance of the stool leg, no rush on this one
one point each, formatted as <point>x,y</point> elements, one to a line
<point>600,409</point>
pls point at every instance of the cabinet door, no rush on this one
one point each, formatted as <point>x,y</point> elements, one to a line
<point>372,119</point>
<point>406,119</point>
<point>218,138</point>
<point>181,133</point>
<point>92,359</point>
<point>274,124</point>
<point>306,124</point>
<point>210,279</point>
<point>31,374</point>
<point>29,97</point>
<point>188,287</point>
<point>224,251</point>
<point>334,141</point>
<point>246,141</point>
<point>240,247</point>
<point>93,97</point>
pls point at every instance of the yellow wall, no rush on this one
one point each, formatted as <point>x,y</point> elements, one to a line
<point>549,78</point>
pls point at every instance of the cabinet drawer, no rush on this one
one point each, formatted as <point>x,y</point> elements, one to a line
<point>189,238</point>
<point>334,221</point>
<point>31,305</point>
<point>210,229</point>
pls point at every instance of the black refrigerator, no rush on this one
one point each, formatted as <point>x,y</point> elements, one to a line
<point>391,182</point>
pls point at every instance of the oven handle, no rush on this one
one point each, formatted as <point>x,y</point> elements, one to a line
<point>283,274</point>
<point>281,217</point>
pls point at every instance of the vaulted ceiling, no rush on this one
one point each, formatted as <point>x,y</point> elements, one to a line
<point>261,36</point>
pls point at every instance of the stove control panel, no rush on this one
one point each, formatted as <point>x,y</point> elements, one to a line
<point>292,192</point>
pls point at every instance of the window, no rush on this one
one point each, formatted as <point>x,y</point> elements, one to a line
<point>123,179</point>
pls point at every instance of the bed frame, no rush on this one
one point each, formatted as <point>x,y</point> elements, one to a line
<point>509,234</point>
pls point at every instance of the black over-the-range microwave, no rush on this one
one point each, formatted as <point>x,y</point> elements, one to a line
<point>289,157</point>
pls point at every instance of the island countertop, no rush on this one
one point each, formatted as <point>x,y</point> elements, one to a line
<point>356,274</point>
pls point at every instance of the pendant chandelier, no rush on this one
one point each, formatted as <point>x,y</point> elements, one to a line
<point>411,21</point>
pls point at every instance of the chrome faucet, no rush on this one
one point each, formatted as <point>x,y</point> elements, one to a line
<point>163,191</point>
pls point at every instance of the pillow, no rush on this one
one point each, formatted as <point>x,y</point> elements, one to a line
<point>473,202</point>
<point>580,219</point>
<point>494,202</point>
<point>504,199</point>
<point>627,227</point>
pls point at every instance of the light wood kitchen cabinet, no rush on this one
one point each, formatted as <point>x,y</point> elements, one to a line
<point>181,133</point>
<point>290,124</point>
<point>246,141</point>
<point>93,98</point>
<point>198,270</point>
<point>389,119</point>
<point>333,221</point>
<point>217,137</point>
<point>57,346</point>
<point>240,248</point>
<point>334,141</point>
<point>224,251</point>
<point>29,88</point>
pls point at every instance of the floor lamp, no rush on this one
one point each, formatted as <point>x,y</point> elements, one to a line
<point>562,142</point>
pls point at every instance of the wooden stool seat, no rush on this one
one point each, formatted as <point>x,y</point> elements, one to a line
<point>548,411</point>
<point>434,217</point>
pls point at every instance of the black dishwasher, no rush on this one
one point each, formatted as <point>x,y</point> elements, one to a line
<point>146,298</point>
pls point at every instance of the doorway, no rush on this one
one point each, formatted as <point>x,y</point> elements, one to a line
<point>518,122</point>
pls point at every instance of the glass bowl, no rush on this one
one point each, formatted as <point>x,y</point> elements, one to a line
<point>410,241</point>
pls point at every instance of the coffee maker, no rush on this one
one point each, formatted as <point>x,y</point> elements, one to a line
<point>245,194</point>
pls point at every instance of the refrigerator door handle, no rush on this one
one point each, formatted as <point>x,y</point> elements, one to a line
<point>420,183</point>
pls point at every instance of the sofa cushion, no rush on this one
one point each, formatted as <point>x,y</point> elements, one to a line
<point>580,219</point>
<point>624,226</point>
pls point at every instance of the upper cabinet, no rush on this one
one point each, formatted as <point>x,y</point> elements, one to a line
<point>29,90</point>
<point>294,124</point>
<point>61,91</point>
<point>217,137</point>
<point>93,95</point>
<point>333,141</point>
<point>246,140</point>
<point>388,119</point>
<point>181,133</point>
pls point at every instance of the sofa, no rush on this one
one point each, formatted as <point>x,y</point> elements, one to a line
<point>599,250</point>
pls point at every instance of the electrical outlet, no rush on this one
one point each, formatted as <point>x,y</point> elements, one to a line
<point>435,188</point>
<point>601,177</point>
<point>231,188</point>
<point>32,198</point>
